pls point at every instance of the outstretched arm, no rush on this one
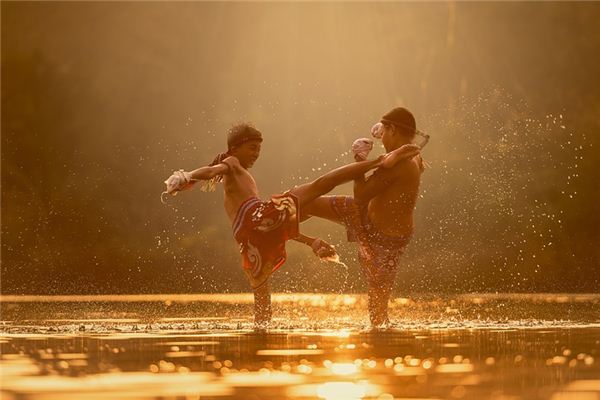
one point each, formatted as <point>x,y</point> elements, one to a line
<point>182,180</point>
<point>205,173</point>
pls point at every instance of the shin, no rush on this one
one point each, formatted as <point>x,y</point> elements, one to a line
<point>379,296</point>
<point>326,183</point>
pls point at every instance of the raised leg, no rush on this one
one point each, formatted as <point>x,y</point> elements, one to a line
<point>326,183</point>
<point>320,207</point>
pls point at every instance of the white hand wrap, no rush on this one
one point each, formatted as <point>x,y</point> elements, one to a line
<point>377,130</point>
<point>361,148</point>
<point>178,181</point>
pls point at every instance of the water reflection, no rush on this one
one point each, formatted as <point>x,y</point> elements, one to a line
<point>344,368</point>
<point>424,356</point>
<point>342,390</point>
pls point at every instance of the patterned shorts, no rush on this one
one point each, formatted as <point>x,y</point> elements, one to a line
<point>262,228</point>
<point>378,253</point>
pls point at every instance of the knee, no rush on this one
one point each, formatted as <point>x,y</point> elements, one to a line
<point>306,212</point>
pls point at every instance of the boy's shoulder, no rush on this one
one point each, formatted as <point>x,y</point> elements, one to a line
<point>231,162</point>
<point>408,169</point>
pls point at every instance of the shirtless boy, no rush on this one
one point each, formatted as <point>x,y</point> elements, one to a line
<point>262,227</point>
<point>380,216</point>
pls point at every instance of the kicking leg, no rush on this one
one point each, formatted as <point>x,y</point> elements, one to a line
<point>320,207</point>
<point>326,183</point>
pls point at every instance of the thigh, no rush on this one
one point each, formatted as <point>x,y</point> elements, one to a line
<point>306,193</point>
<point>320,207</point>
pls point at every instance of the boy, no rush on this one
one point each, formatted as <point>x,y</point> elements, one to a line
<point>380,216</point>
<point>262,228</point>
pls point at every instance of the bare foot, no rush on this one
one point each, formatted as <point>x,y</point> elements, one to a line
<point>402,153</point>
<point>383,327</point>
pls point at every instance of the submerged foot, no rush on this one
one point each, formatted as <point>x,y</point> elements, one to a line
<point>261,328</point>
<point>380,326</point>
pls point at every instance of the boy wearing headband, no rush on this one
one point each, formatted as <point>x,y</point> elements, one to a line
<point>262,227</point>
<point>380,215</point>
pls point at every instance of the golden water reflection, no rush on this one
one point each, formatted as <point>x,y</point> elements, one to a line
<point>426,356</point>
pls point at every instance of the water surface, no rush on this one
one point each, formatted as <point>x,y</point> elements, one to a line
<point>477,346</point>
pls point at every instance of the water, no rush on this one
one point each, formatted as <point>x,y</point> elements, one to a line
<point>490,346</point>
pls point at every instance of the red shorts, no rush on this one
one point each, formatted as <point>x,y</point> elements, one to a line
<point>378,253</point>
<point>262,228</point>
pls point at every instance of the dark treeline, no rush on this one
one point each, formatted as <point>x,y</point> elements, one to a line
<point>101,101</point>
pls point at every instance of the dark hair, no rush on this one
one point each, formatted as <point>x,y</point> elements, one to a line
<point>236,135</point>
<point>402,119</point>
<point>241,133</point>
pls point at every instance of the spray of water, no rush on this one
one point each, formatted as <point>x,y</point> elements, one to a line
<point>492,208</point>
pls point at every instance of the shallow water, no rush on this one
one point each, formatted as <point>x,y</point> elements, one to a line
<point>488,346</point>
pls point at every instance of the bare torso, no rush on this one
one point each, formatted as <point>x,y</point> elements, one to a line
<point>238,186</point>
<point>392,210</point>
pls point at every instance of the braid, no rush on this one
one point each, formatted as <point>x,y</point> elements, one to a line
<point>219,159</point>
<point>210,185</point>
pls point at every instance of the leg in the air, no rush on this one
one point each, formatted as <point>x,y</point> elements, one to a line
<point>326,183</point>
<point>320,207</point>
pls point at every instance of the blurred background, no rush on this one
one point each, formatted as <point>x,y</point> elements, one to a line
<point>102,101</point>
